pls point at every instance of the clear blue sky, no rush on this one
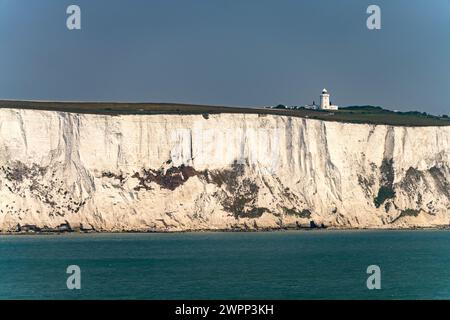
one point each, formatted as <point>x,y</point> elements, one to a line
<point>228,52</point>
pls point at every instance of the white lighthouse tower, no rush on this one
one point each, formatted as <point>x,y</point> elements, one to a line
<point>325,101</point>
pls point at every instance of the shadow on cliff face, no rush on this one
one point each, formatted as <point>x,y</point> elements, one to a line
<point>120,177</point>
<point>415,185</point>
<point>237,194</point>
<point>386,190</point>
<point>171,179</point>
<point>43,185</point>
<point>439,175</point>
<point>17,172</point>
<point>237,190</point>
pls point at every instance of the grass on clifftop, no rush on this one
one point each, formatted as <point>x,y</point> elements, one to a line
<point>353,114</point>
<point>378,115</point>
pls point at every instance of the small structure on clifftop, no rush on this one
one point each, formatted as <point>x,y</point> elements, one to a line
<point>325,101</point>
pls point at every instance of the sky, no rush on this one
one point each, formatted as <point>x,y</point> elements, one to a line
<point>228,52</point>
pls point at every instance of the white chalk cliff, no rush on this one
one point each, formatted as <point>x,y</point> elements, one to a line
<point>225,171</point>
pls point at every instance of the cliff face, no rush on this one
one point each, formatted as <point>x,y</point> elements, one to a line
<point>193,172</point>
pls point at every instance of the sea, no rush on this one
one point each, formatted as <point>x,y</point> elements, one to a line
<point>321,264</point>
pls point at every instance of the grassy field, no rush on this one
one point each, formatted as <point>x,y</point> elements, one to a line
<point>353,114</point>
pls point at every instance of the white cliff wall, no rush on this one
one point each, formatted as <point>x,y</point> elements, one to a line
<point>186,172</point>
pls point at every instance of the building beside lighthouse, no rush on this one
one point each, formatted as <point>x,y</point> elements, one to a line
<point>325,103</point>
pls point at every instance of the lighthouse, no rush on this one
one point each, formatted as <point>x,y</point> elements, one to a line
<point>325,101</point>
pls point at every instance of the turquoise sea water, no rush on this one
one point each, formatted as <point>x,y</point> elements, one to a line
<point>273,265</point>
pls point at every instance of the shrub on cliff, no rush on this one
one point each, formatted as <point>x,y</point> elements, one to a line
<point>384,193</point>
